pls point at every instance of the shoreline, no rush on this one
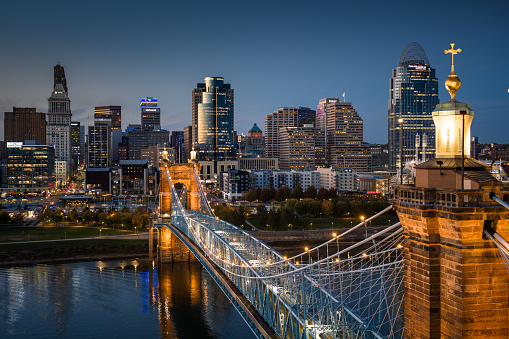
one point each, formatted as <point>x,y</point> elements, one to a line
<point>71,259</point>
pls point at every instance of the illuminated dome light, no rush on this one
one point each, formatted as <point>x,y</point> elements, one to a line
<point>412,54</point>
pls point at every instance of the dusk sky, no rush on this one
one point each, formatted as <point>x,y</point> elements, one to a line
<point>273,53</point>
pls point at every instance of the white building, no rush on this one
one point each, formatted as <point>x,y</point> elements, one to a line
<point>342,179</point>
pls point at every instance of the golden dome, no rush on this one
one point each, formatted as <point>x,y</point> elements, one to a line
<point>453,83</point>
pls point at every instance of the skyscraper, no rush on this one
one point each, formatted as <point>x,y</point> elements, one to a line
<point>110,112</point>
<point>99,144</point>
<point>58,128</point>
<point>413,97</point>
<point>25,124</point>
<point>198,99</point>
<point>215,122</point>
<point>343,128</point>
<point>284,117</point>
<point>177,142</point>
<point>150,114</point>
<point>75,144</point>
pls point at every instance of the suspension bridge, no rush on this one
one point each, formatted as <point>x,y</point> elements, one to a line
<point>323,292</point>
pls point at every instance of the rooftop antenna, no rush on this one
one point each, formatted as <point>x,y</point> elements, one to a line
<point>344,100</point>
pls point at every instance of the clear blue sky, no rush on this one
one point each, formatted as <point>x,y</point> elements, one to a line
<point>274,53</point>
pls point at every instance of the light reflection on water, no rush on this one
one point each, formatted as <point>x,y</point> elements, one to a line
<point>117,298</point>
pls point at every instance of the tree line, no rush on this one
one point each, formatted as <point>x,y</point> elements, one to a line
<point>283,193</point>
<point>124,219</point>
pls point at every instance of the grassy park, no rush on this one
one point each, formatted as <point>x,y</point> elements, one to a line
<point>333,223</point>
<point>15,234</point>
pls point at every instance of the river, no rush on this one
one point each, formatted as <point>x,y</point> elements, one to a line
<point>115,298</point>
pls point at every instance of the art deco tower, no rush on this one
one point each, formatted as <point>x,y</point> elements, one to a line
<point>58,129</point>
<point>413,96</point>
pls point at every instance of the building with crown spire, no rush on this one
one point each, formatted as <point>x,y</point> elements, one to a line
<point>58,128</point>
<point>456,283</point>
<point>413,96</point>
<point>255,142</point>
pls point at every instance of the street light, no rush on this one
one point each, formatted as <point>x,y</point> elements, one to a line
<point>401,151</point>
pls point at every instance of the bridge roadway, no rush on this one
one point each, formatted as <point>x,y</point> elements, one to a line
<point>240,302</point>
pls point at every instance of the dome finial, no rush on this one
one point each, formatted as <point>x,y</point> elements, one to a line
<point>453,83</point>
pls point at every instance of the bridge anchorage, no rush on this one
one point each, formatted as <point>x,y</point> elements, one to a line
<point>309,295</point>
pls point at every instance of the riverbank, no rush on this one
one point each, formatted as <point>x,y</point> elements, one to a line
<point>32,253</point>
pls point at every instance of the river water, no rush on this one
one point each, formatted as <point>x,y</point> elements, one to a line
<point>115,299</point>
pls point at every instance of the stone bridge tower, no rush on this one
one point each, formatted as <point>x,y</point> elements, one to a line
<point>456,284</point>
<point>169,247</point>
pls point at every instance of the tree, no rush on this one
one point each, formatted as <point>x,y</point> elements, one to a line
<point>250,195</point>
<point>272,193</point>
<point>57,216</point>
<point>310,192</point>
<point>342,207</point>
<point>280,194</point>
<point>4,217</point>
<point>323,194</point>
<point>261,208</point>
<point>44,215</point>
<point>297,193</point>
<point>141,221</point>
<point>126,220</point>
<point>264,195</point>
<point>17,218</point>
<point>88,216</point>
<point>327,207</point>
<point>73,216</point>
<point>103,217</point>
<point>290,204</point>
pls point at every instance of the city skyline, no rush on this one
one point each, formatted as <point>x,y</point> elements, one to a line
<point>270,58</point>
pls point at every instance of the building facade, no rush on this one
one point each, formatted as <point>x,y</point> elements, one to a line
<point>343,139</point>
<point>413,97</point>
<point>138,139</point>
<point>76,159</point>
<point>25,124</point>
<point>300,147</point>
<point>233,184</point>
<point>197,99</point>
<point>284,117</point>
<point>215,135</point>
<point>150,114</point>
<point>58,128</point>
<point>99,144</point>
<point>30,167</point>
<point>255,142</point>
<point>114,113</point>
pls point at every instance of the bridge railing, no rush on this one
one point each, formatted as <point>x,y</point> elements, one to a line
<point>333,296</point>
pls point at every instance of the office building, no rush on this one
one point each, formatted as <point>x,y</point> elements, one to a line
<point>198,99</point>
<point>58,128</point>
<point>284,117</point>
<point>215,140</point>
<point>343,139</point>
<point>76,144</point>
<point>187,147</point>
<point>138,139</point>
<point>257,164</point>
<point>30,167</point>
<point>99,144</point>
<point>114,113</point>
<point>177,142</point>
<point>150,114</point>
<point>25,124</point>
<point>300,147</point>
<point>255,142</point>
<point>413,97</point>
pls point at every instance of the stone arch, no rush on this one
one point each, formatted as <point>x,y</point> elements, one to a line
<point>179,173</point>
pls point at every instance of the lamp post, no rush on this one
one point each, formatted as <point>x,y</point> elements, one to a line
<point>400,151</point>
<point>365,226</point>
